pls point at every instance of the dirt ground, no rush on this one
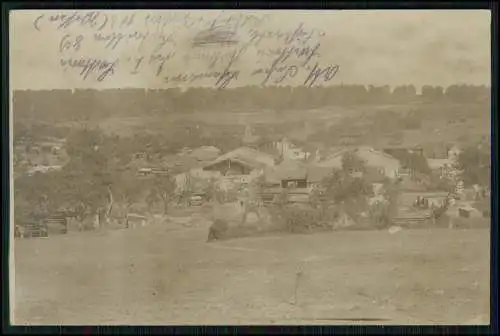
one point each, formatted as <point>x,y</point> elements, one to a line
<point>158,275</point>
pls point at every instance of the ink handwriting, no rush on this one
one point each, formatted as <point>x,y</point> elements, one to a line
<point>62,21</point>
<point>113,39</point>
<point>224,49</point>
<point>87,66</point>
<point>222,78</point>
<point>327,74</point>
<point>69,43</point>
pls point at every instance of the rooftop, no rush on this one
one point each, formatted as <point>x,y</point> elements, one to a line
<point>246,155</point>
<point>360,150</point>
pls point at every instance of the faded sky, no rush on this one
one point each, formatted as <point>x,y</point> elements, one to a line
<point>370,47</point>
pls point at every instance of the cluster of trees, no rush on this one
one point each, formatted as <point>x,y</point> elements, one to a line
<point>84,104</point>
<point>339,193</point>
<point>152,144</point>
<point>473,164</point>
<point>92,183</point>
<point>350,192</point>
<point>101,173</point>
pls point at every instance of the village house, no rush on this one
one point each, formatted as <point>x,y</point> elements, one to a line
<point>297,177</point>
<point>378,164</point>
<point>443,167</point>
<point>440,151</point>
<point>446,166</point>
<point>290,151</point>
<point>241,165</point>
<point>453,152</point>
<point>241,161</point>
<point>285,149</point>
<point>194,180</point>
<point>402,152</point>
<point>288,174</point>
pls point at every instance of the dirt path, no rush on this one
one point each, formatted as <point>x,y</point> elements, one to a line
<point>155,276</point>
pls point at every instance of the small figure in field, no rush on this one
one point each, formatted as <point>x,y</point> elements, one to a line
<point>217,230</point>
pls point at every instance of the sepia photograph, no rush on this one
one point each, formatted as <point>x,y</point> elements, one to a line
<point>250,167</point>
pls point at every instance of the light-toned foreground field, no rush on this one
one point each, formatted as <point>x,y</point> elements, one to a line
<point>152,275</point>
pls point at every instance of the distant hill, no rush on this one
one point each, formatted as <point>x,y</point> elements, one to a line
<point>83,105</point>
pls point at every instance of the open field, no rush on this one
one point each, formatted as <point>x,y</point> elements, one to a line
<point>155,275</point>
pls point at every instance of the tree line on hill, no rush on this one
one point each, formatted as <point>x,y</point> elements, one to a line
<point>82,104</point>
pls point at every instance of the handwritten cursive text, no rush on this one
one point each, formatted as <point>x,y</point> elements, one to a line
<point>87,66</point>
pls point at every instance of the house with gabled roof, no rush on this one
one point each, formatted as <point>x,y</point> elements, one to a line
<point>376,161</point>
<point>240,161</point>
<point>240,166</point>
<point>285,148</point>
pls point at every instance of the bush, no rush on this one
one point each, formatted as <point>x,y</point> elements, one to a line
<point>380,215</point>
<point>300,219</point>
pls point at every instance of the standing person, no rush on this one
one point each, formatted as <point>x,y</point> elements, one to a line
<point>250,203</point>
<point>426,203</point>
<point>433,214</point>
<point>243,201</point>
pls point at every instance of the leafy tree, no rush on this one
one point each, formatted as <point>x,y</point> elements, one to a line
<point>382,211</point>
<point>32,198</point>
<point>210,189</point>
<point>341,186</point>
<point>391,194</point>
<point>411,160</point>
<point>128,190</point>
<point>351,162</point>
<point>379,94</point>
<point>475,164</point>
<point>432,93</point>
<point>349,192</point>
<point>404,93</point>
<point>80,187</point>
<point>162,189</point>
<point>85,193</point>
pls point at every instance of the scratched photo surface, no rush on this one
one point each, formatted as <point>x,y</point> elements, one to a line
<point>250,167</point>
